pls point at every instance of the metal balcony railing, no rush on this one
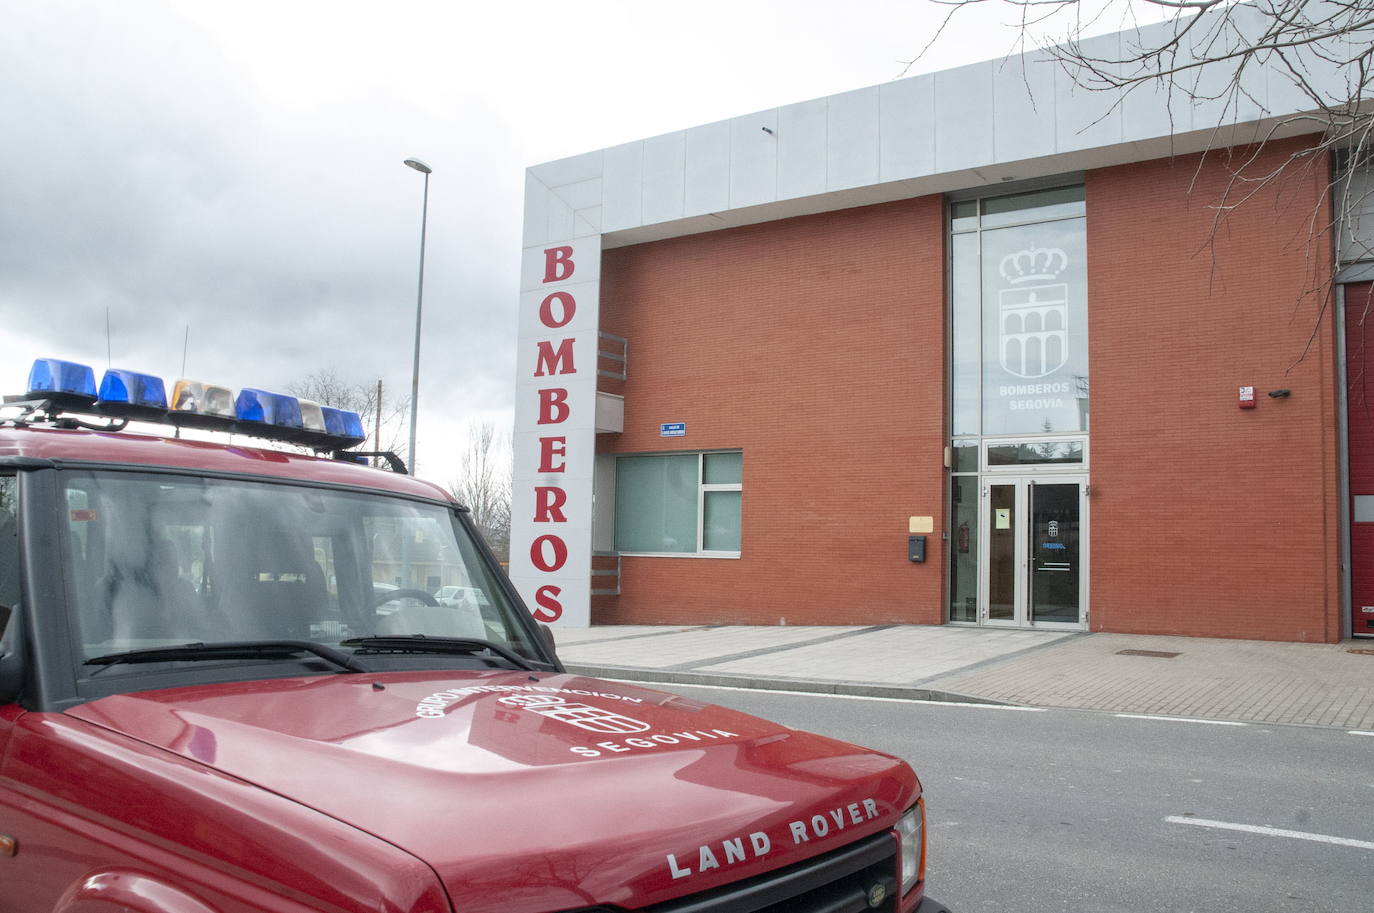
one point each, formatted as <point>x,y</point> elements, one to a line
<point>615,349</point>
<point>606,569</point>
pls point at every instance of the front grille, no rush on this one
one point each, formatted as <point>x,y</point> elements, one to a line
<point>838,882</point>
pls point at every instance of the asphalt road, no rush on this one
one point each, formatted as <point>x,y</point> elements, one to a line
<point>1093,813</point>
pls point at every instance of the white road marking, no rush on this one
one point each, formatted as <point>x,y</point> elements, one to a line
<point>849,697</point>
<point>1359,732</point>
<point>1272,832</point>
<point>1178,719</point>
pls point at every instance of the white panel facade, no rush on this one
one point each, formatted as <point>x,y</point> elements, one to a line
<point>852,149</point>
<point>707,169</point>
<point>528,454</point>
<point>1145,114</point>
<point>555,428</point>
<point>623,187</point>
<point>994,113</point>
<point>587,222</point>
<point>907,128</point>
<point>665,163</point>
<point>1024,99</point>
<point>753,159</point>
<point>964,117</point>
<point>580,194</point>
<point>1085,118</point>
<point>532,269</point>
<point>801,149</point>
<point>537,197</point>
<point>571,170</point>
<point>582,353</point>
<point>560,220</point>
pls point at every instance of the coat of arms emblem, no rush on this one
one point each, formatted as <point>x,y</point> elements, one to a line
<point>583,716</point>
<point>1033,314</point>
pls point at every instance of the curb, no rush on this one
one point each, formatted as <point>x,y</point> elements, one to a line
<point>775,683</point>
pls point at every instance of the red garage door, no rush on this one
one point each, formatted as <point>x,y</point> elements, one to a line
<point>1359,356</point>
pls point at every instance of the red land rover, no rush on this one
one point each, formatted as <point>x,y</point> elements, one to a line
<point>225,686</point>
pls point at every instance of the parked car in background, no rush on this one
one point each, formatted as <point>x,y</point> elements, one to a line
<point>461,595</point>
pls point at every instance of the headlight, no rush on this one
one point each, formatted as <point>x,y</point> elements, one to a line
<point>911,831</point>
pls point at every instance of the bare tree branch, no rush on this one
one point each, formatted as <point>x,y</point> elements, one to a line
<point>328,388</point>
<point>483,484</point>
<point>1212,56</point>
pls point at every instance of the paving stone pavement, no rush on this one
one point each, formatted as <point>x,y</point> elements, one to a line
<point>1251,681</point>
<point>1246,680</point>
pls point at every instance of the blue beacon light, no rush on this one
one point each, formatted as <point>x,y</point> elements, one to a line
<point>129,394</point>
<point>64,383</point>
<point>345,426</point>
<point>260,407</point>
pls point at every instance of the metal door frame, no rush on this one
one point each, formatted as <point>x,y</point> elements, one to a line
<point>1023,486</point>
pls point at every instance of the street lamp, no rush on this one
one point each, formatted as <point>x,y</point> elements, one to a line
<point>424,169</point>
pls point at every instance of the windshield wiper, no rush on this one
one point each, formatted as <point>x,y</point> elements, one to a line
<point>420,643</point>
<point>237,649</point>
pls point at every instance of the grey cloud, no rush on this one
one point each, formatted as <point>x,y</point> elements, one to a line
<point>150,179</point>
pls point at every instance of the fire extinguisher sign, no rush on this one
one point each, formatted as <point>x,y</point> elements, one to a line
<point>1247,397</point>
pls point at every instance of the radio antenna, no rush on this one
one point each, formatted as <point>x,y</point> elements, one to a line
<point>185,344</point>
<point>107,337</point>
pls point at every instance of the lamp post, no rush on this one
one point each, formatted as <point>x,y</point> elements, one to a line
<point>424,169</point>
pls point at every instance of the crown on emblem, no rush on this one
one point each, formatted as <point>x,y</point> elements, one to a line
<point>1033,263</point>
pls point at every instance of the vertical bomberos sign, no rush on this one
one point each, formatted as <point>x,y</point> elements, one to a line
<point>555,429</point>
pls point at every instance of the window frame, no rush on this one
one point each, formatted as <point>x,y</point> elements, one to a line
<point>987,467</point>
<point>977,197</point>
<point>703,487</point>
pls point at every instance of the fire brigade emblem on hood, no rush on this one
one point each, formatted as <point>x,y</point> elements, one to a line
<point>583,716</point>
<point>1033,314</point>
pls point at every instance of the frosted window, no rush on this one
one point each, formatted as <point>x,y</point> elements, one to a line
<point>721,530</point>
<point>656,503</point>
<point>723,468</point>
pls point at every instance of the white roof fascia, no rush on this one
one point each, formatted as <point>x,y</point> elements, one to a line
<point>978,125</point>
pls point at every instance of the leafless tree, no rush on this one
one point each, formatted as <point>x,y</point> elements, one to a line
<point>484,484</point>
<point>328,388</point>
<point>1229,58</point>
<point>1213,51</point>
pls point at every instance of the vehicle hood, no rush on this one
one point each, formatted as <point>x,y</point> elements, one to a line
<point>533,792</point>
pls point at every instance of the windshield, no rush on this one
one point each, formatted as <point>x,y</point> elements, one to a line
<point>161,560</point>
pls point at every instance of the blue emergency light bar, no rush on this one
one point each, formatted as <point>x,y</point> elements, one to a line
<point>68,386</point>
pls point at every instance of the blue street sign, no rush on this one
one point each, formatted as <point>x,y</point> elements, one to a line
<point>672,429</point>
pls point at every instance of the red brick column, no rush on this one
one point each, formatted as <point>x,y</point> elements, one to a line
<point>1206,519</point>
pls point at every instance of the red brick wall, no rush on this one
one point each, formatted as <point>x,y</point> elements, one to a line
<point>816,345</point>
<point>1206,519</point>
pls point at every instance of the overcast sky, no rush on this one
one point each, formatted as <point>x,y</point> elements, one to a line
<point>236,167</point>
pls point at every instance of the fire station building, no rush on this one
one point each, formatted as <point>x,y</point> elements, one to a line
<point>977,347</point>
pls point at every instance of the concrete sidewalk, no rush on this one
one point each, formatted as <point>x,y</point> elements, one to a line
<point>1201,678</point>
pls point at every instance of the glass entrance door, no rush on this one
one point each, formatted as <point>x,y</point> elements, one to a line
<point>1034,552</point>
